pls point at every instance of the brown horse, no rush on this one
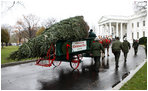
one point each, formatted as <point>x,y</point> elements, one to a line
<point>106,43</point>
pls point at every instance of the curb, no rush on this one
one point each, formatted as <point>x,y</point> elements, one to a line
<point>132,73</point>
<point>15,63</point>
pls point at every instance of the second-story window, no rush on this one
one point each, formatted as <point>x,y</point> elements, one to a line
<point>132,35</point>
<point>143,23</point>
<point>137,24</point>
<point>138,35</point>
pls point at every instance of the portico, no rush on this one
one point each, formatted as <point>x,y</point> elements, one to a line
<point>133,27</point>
<point>113,27</point>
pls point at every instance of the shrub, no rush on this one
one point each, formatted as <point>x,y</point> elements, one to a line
<point>143,40</point>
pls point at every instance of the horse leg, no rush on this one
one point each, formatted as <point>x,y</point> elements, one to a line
<point>104,53</point>
<point>108,51</point>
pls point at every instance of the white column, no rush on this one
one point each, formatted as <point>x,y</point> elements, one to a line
<point>121,31</point>
<point>117,35</point>
<point>99,30</point>
<point>129,32</point>
<point>105,29</point>
<point>140,30</point>
<point>110,29</point>
<point>135,34</point>
<point>135,30</point>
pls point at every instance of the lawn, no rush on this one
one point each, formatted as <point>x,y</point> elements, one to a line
<point>6,51</point>
<point>139,80</point>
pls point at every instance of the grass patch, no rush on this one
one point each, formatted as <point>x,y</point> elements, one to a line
<point>5,53</point>
<point>139,80</point>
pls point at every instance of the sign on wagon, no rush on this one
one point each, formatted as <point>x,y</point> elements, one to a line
<point>78,46</point>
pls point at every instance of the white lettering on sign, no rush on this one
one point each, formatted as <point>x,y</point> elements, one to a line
<point>78,46</point>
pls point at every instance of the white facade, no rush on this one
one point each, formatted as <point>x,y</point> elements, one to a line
<point>134,27</point>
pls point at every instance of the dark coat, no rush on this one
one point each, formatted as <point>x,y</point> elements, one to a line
<point>96,48</point>
<point>125,46</point>
<point>135,44</point>
<point>92,35</point>
<point>116,46</point>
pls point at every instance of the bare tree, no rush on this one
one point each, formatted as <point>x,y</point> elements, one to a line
<point>140,5</point>
<point>18,32</point>
<point>8,5</point>
<point>13,38</point>
<point>29,24</point>
<point>48,22</point>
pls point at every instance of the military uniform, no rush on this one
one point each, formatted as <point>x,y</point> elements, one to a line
<point>135,46</point>
<point>125,48</point>
<point>92,35</point>
<point>116,47</point>
<point>96,48</point>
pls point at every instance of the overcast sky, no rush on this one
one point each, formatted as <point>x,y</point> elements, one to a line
<point>92,10</point>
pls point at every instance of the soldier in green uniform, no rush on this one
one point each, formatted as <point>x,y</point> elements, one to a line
<point>92,34</point>
<point>125,48</point>
<point>135,46</point>
<point>116,47</point>
<point>96,48</point>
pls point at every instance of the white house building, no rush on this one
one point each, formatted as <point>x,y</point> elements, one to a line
<point>134,26</point>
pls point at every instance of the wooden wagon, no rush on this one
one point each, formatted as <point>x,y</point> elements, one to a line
<point>67,51</point>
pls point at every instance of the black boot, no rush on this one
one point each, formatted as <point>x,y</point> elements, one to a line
<point>117,66</point>
<point>125,60</point>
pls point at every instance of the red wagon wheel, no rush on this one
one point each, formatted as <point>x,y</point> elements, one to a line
<point>75,62</point>
<point>50,54</point>
<point>41,63</point>
<point>80,56</point>
<point>51,57</point>
<point>56,63</point>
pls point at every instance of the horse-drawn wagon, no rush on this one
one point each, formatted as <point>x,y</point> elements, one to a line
<point>67,51</point>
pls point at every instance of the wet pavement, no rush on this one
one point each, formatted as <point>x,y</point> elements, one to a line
<point>29,76</point>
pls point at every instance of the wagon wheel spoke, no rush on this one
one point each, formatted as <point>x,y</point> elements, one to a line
<point>48,61</point>
<point>81,56</point>
<point>56,63</point>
